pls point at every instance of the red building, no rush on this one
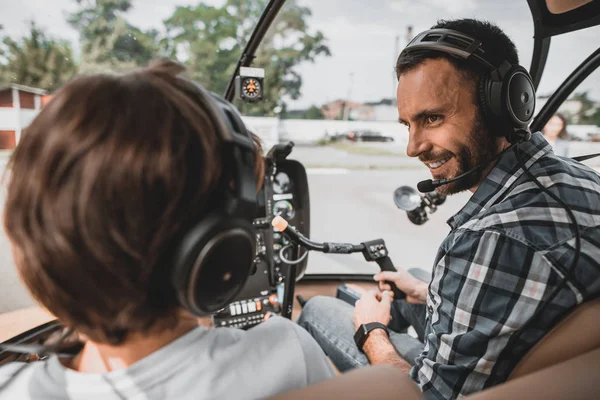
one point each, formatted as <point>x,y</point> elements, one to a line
<point>18,107</point>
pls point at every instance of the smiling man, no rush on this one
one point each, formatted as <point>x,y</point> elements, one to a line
<point>503,276</point>
<point>447,132</point>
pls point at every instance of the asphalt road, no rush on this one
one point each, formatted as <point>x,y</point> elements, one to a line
<point>357,206</point>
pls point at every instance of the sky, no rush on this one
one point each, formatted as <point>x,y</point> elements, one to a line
<point>361,35</point>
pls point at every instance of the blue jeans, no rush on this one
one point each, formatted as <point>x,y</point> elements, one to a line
<point>329,321</point>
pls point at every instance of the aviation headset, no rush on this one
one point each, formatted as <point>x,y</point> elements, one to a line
<point>506,93</point>
<point>211,260</point>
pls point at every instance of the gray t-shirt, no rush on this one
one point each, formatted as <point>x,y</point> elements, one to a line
<point>224,363</point>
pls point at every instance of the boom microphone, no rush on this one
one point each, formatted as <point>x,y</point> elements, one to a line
<point>429,185</point>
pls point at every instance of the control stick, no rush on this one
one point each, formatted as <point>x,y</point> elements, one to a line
<point>374,250</point>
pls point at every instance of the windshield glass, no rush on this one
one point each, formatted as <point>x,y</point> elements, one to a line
<point>344,85</point>
<point>329,85</point>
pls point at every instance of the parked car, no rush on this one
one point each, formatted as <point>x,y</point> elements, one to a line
<point>367,136</point>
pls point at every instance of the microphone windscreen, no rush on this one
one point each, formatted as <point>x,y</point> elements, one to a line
<point>426,186</point>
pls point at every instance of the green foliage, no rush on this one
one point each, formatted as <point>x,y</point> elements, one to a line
<point>314,113</point>
<point>589,114</point>
<point>108,42</point>
<point>210,40</point>
<point>590,111</point>
<point>36,60</point>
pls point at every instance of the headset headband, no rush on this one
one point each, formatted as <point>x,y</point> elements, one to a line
<point>506,92</point>
<point>238,142</point>
<point>455,43</point>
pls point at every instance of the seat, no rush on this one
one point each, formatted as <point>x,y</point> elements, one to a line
<point>565,363</point>
<point>576,334</point>
<point>574,379</point>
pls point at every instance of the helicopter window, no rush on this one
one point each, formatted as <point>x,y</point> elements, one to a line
<point>576,130</point>
<point>563,59</point>
<point>329,87</point>
<point>344,123</point>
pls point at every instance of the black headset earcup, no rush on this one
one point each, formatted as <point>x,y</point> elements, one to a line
<point>212,263</point>
<point>484,105</point>
<point>519,97</point>
<point>507,99</point>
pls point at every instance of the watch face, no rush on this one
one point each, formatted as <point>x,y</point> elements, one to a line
<point>251,87</point>
<point>360,336</point>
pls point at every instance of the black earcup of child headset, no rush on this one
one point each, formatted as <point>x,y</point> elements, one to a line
<point>507,96</point>
<point>212,259</point>
<point>212,263</point>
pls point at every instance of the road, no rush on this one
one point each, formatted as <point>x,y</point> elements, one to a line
<point>356,206</point>
<point>349,203</point>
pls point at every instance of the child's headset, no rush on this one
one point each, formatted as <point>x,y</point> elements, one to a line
<point>506,93</point>
<point>213,258</point>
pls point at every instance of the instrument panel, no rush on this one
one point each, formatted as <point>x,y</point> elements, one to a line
<point>284,193</point>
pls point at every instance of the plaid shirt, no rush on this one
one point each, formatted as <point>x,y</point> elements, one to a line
<point>508,248</point>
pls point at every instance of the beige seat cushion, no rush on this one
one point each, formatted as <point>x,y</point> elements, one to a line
<point>577,334</point>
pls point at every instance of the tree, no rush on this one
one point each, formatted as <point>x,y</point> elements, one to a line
<point>314,112</point>
<point>37,60</point>
<point>210,40</point>
<point>108,41</point>
<point>589,114</point>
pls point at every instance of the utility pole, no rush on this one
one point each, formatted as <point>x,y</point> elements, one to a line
<point>396,54</point>
<point>409,34</point>
<point>347,106</point>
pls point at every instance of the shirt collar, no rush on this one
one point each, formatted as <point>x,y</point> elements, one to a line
<point>501,177</point>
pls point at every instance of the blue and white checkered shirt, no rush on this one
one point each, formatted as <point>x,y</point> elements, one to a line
<point>508,249</point>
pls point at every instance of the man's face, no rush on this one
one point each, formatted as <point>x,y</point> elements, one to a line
<point>436,103</point>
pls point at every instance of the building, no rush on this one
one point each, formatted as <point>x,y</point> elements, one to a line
<point>384,110</point>
<point>335,109</point>
<point>18,107</point>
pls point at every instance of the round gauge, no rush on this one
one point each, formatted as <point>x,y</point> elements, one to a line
<point>251,87</point>
<point>284,208</point>
<point>282,183</point>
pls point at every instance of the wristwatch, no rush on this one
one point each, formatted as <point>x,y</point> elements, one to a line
<point>362,333</point>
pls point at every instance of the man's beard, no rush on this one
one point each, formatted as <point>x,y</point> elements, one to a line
<point>480,148</point>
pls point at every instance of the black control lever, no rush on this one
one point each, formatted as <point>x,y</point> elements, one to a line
<point>280,151</point>
<point>374,250</point>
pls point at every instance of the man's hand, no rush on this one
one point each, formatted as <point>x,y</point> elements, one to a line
<point>373,306</point>
<point>415,289</point>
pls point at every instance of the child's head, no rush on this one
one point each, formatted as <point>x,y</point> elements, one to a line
<point>100,183</point>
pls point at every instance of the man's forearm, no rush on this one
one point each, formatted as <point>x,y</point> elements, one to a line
<point>379,350</point>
